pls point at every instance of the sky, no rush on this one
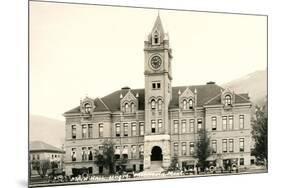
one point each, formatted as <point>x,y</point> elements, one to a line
<point>89,50</point>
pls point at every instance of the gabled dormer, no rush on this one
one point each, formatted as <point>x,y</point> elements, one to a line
<point>227,97</point>
<point>187,99</point>
<point>129,102</point>
<point>87,105</point>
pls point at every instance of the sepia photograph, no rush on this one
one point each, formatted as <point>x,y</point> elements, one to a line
<point>119,94</point>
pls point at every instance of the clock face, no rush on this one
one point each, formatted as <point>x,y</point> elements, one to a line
<point>156,62</point>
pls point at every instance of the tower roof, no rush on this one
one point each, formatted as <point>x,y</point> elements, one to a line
<point>158,26</point>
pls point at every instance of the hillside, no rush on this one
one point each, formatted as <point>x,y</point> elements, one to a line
<point>254,83</point>
<point>47,130</point>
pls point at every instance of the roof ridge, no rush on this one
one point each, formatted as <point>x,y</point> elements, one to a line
<point>242,97</point>
<point>212,98</point>
<point>104,104</point>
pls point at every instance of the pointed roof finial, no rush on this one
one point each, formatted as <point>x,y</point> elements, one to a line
<point>179,92</point>
<point>158,25</point>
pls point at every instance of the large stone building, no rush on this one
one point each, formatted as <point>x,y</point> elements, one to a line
<point>152,125</point>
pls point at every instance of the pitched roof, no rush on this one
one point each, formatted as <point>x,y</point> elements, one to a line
<point>206,94</point>
<point>239,98</point>
<point>42,146</point>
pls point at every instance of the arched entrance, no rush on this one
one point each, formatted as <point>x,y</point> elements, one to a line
<point>156,154</point>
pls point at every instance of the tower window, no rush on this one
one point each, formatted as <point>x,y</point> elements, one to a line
<point>153,126</point>
<point>156,85</point>
<point>159,104</point>
<point>156,38</point>
<point>152,104</point>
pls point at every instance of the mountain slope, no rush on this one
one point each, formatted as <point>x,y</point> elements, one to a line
<point>254,83</point>
<point>47,130</point>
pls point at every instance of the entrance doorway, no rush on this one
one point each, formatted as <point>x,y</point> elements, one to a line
<point>156,154</point>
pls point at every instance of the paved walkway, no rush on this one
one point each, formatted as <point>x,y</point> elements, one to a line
<point>144,176</point>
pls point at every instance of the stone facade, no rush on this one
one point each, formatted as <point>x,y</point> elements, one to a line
<point>162,116</point>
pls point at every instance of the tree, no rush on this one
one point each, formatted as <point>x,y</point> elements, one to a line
<point>42,167</point>
<point>202,148</point>
<point>174,164</point>
<point>106,157</point>
<point>259,134</point>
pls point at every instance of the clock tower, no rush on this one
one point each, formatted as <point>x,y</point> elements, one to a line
<point>158,94</point>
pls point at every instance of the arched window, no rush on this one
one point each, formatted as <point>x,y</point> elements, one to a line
<point>190,104</point>
<point>152,104</point>
<point>88,108</point>
<point>156,38</point>
<point>133,107</point>
<point>159,104</point>
<point>227,100</point>
<point>184,104</point>
<point>127,107</point>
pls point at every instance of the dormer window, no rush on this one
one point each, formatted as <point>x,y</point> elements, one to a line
<point>88,108</point>
<point>152,104</point>
<point>184,104</point>
<point>190,104</point>
<point>227,100</point>
<point>133,107</point>
<point>127,108</point>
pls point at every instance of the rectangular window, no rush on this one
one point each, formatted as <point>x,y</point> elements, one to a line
<point>241,162</point>
<point>100,149</point>
<point>117,129</point>
<point>231,145</point>
<point>241,121</point>
<point>214,123</point>
<point>183,148</point>
<point>214,146</point>
<point>183,126</point>
<point>90,153</point>
<point>84,131</point>
<point>134,129</point>
<point>38,157</point>
<point>84,153</point>
<point>141,151</point>
<point>224,123</point>
<point>156,85</point>
<point>90,131</point>
<point>176,126</point>
<point>153,126</point>
<point>224,145</point>
<point>73,154</point>
<point>199,124</point>
<point>141,128</point>
<point>230,121</point>
<point>33,157</point>
<point>241,144</point>
<point>73,131</point>
<point>191,125</point>
<point>134,151</point>
<point>176,149</point>
<point>125,129</point>
<point>100,130</point>
<point>160,128</point>
<point>191,148</point>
